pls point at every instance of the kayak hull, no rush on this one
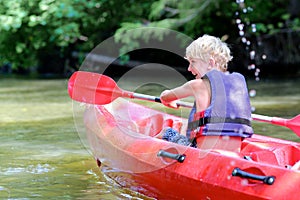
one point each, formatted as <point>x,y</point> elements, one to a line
<point>122,142</point>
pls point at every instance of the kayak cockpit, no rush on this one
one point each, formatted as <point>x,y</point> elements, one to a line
<point>143,123</point>
<point>262,149</point>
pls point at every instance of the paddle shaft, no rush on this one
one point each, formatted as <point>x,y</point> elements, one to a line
<point>256,117</point>
<point>293,124</point>
<point>275,120</point>
<point>157,99</point>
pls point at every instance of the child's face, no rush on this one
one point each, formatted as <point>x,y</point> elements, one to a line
<point>198,67</point>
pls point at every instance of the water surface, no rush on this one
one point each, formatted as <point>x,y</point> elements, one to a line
<point>42,156</point>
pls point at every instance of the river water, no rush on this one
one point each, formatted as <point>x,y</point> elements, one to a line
<point>42,156</point>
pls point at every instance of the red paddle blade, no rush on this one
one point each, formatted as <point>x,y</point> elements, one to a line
<point>93,88</point>
<point>293,124</point>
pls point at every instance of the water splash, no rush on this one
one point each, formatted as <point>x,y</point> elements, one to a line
<point>252,93</point>
<point>253,26</point>
<point>252,55</point>
<point>245,29</point>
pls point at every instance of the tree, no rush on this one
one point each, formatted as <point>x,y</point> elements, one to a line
<point>39,32</point>
<point>246,24</point>
<point>35,32</point>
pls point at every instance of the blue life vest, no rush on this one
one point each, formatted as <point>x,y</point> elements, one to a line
<point>229,112</point>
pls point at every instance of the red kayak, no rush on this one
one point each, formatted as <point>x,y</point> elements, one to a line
<point>121,136</point>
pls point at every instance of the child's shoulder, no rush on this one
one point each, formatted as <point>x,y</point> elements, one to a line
<point>196,83</point>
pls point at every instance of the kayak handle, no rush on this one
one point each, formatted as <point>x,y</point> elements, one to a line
<point>266,179</point>
<point>179,157</point>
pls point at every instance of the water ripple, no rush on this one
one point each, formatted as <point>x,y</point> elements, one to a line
<point>32,169</point>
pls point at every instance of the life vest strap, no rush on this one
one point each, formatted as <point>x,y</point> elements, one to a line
<point>205,120</point>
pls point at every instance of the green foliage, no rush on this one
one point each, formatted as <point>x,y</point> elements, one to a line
<point>166,14</point>
<point>34,25</point>
<point>31,27</point>
<point>196,17</point>
<point>176,15</point>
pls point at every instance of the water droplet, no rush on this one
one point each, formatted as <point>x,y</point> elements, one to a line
<point>253,26</point>
<point>241,26</point>
<point>232,116</point>
<point>252,66</point>
<point>243,31</point>
<point>253,108</point>
<point>264,56</point>
<point>244,182</point>
<point>257,79</point>
<point>252,93</point>
<point>97,5</point>
<point>241,131</point>
<point>252,55</point>
<point>226,137</point>
<point>250,9</point>
<point>259,43</point>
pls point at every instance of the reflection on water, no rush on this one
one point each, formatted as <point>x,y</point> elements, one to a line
<point>42,156</point>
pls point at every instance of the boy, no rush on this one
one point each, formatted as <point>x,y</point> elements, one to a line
<point>221,116</point>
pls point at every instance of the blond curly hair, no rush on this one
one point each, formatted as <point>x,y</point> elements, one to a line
<point>207,47</point>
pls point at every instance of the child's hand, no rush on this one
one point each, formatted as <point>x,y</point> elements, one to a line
<point>171,104</point>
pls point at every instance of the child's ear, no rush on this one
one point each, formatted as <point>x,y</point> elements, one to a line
<point>211,63</point>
